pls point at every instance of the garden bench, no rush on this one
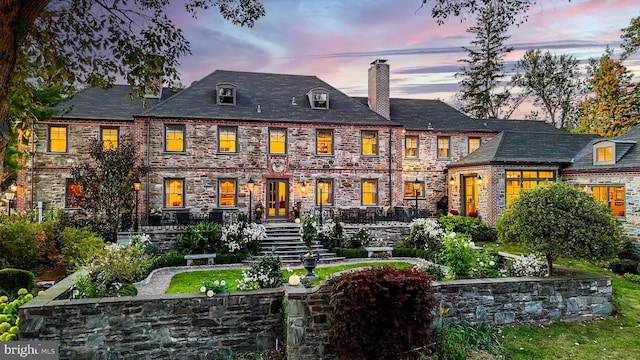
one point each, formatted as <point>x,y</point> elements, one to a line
<point>190,257</point>
<point>374,249</point>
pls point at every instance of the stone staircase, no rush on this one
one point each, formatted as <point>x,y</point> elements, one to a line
<point>286,241</point>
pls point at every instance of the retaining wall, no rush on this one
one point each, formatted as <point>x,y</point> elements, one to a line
<point>193,326</point>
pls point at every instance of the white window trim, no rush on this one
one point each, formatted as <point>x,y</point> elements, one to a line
<point>601,145</point>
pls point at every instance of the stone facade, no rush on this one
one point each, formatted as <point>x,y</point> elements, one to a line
<point>188,326</point>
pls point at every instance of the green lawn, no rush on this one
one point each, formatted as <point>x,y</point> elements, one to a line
<point>190,282</point>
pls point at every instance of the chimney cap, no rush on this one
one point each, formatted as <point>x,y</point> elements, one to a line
<point>379,61</point>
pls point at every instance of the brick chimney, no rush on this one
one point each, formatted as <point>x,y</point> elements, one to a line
<point>379,88</point>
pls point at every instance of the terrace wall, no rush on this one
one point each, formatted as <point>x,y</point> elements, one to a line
<point>192,326</point>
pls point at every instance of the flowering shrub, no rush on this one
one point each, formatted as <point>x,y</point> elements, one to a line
<point>264,274</point>
<point>9,315</point>
<point>529,265</point>
<point>310,226</point>
<point>156,211</point>
<point>464,262</point>
<point>214,287</point>
<point>113,273</point>
<point>424,234</point>
<point>242,236</point>
<point>473,226</point>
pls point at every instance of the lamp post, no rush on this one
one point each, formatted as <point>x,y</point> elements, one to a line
<point>136,188</point>
<point>10,194</point>
<point>415,190</point>
<point>250,185</point>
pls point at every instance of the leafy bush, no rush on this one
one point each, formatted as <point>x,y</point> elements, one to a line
<point>266,273</point>
<point>350,253</point>
<point>433,270</point>
<point>624,266</point>
<point>404,252</point>
<point>12,280</point>
<point>309,229</point>
<point>360,239</point>
<point>9,320</point>
<point>202,238</point>
<point>21,243</point>
<point>465,263</point>
<point>332,233</point>
<point>558,219</point>
<point>171,258</point>
<point>242,236</point>
<point>79,247</point>
<point>381,313</point>
<point>635,278</point>
<point>110,274</point>
<point>472,226</point>
<point>424,234</point>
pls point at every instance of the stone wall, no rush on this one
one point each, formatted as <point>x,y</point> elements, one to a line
<point>189,326</point>
<point>186,326</point>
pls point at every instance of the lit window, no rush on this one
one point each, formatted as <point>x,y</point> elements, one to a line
<point>58,139</point>
<point>227,191</point>
<point>277,141</point>
<point>410,146</point>
<point>324,192</point>
<point>75,196</point>
<point>324,142</point>
<point>226,94</point>
<point>174,138</point>
<point>523,180</point>
<point>109,138</point>
<point>369,192</point>
<point>474,144</point>
<point>369,143</point>
<point>413,189</point>
<point>444,147</point>
<point>612,196</point>
<point>227,139</point>
<point>319,98</point>
<point>174,192</point>
<point>604,155</point>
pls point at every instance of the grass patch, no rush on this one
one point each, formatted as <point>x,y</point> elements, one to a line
<point>190,282</point>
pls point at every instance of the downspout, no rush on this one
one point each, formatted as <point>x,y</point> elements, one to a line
<point>390,167</point>
<point>147,183</point>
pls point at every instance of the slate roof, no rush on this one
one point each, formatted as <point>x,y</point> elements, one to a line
<point>273,93</point>
<point>627,154</point>
<point>510,147</point>
<point>429,115</point>
<point>531,126</point>
<point>110,104</point>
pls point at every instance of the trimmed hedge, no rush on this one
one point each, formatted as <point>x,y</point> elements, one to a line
<point>12,280</point>
<point>350,253</point>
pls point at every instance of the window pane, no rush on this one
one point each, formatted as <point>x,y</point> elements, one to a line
<point>474,144</point>
<point>369,192</point>
<point>174,138</point>
<point>75,196</point>
<point>325,142</point>
<point>58,139</point>
<point>522,180</point>
<point>612,196</point>
<point>277,141</point>
<point>227,138</point>
<point>604,154</point>
<point>410,189</point>
<point>369,143</point>
<point>109,139</point>
<point>226,95</point>
<point>324,192</point>
<point>411,146</point>
<point>443,147</point>
<point>174,193</point>
<point>320,100</point>
<point>227,193</point>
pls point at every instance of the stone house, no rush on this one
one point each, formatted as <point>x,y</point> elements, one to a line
<point>297,139</point>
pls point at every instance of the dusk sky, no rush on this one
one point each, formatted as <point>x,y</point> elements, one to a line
<point>336,40</point>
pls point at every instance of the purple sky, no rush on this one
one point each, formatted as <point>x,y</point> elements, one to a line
<point>336,40</point>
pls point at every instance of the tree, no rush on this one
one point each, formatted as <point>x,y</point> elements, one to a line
<point>614,106</point>
<point>631,38</point>
<point>92,42</point>
<point>480,95</point>
<point>514,10</point>
<point>555,84</point>
<point>560,220</point>
<point>107,187</point>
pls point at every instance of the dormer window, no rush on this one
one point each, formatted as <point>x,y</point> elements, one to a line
<point>603,153</point>
<point>319,98</point>
<point>226,94</point>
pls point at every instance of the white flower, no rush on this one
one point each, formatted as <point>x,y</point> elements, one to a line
<point>210,293</point>
<point>203,289</point>
<point>492,263</point>
<point>223,283</point>
<point>216,283</point>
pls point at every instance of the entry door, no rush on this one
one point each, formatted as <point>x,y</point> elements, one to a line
<point>277,198</point>
<point>470,195</point>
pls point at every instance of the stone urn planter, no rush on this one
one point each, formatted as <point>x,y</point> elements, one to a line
<point>309,262</point>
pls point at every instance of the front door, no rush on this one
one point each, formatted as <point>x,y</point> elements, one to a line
<point>470,195</point>
<point>277,199</point>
